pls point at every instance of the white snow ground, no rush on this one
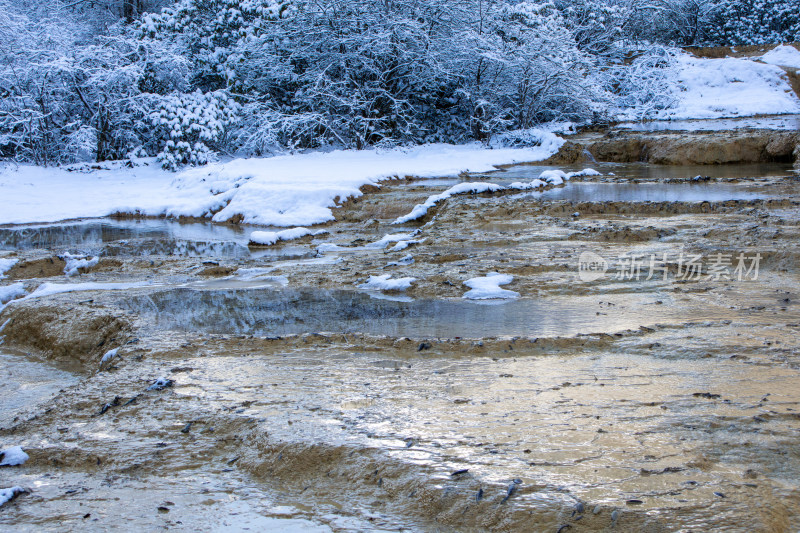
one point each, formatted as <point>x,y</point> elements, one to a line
<point>784,55</point>
<point>728,87</point>
<point>291,190</point>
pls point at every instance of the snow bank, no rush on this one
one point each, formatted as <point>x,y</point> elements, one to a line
<point>6,495</point>
<point>5,265</point>
<point>786,56</point>
<point>385,283</point>
<point>268,238</point>
<point>488,287</point>
<point>729,87</point>
<point>291,190</point>
<point>420,210</point>
<point>13,456</point>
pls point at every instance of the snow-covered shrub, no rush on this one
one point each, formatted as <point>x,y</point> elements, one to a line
<point>756,22</point>
<point>530,70</point>
<point>641,87</point>
<point>597,26</point>
<point>210,32</point>
<point>191,122</point>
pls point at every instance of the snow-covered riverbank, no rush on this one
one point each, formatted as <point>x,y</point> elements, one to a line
<point>289,190</point>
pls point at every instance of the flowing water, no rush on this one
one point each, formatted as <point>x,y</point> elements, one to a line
<point>266,391</point>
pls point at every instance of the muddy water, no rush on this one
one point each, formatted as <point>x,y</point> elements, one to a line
<point>296,401</point>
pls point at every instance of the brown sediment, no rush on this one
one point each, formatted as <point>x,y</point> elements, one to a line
<point>37,268</point>
<point>696,149</point>
<point>74,334</point>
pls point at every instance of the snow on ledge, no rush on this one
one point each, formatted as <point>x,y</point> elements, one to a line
<point>546,178</point>
<point>727,87</point>
<point>268,238</point>
<point>488,287</point>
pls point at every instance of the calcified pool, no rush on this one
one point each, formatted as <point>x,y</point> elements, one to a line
<point>219,387</point>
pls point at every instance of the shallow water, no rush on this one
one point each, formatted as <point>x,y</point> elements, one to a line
<point>293,311</point>
<point>140,238</point>
<point>652,192</point>
<point>25,383</point>
<point>622,172</point>
<point>780,122</point>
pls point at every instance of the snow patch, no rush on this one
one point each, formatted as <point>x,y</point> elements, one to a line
<point>75,262</point>
<point>385,283</point>
<point>160,384</point>
<point>388,239</point>
<point>109,355</point>
<point>6,495</point>
<point>5,265</point>
<point>329,247</point>
<point>784,55</point>
<point>10,292</point>
<point>488,287</point>
<point>402,245</point>
<point>420,210</point>
<point>403,261</point>
<point>13,456</point>
<point>268,238</point>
